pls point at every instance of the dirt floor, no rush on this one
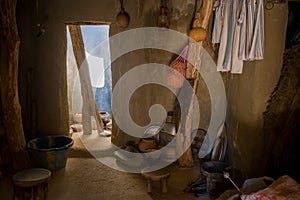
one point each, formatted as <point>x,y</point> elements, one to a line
<point>86,178</point>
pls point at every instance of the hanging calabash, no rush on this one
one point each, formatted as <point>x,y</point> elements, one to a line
<point>197,33</point>
<point>123,17</point>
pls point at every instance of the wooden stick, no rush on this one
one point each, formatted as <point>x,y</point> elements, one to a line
<point>11,108</point>
<point>205,13</point>
<point>201,19</point>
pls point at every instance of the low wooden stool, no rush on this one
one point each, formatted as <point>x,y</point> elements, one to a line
<point>159,175</point>
<point>31,183</point>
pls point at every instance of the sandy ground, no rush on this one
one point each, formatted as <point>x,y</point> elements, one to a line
<point>85,178</point>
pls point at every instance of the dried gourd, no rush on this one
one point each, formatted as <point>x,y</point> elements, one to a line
<point>197,34</point>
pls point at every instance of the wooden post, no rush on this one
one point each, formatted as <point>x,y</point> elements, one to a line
<point>201,19</point>
<point>88,102</point>
<point>204,12</point>
<point>11,108</point>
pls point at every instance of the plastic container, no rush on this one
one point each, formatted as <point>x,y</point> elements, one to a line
<point>50,152</point>
<point>216,184</point>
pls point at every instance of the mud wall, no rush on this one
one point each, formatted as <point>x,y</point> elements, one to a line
<point>46,55</point>
<point>247,94</point>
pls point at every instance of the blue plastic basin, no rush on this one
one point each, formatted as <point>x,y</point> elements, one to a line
<point>50,152</point>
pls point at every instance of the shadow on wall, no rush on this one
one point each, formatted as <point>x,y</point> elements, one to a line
<point>281,120</point>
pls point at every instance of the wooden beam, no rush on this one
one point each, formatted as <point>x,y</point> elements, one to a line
<point>203,13</point>
<point>86,23</point>
<point>89,105</point>
<point>201,19</point>
<point>11,108</point>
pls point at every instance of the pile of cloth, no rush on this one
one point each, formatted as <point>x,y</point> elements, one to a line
<point>262,188</point>
<point>283,188</point>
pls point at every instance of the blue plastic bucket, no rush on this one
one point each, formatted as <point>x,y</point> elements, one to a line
<point>50,152</point>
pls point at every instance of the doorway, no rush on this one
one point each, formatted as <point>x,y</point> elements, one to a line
<point>95,40</point>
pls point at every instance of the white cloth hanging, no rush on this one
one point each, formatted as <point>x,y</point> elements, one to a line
<point>257,46</point>
<point>229,42</point>
<point>239,28</point>
<point>252,30</point>
<point>237,64</point>
<point>223,38</point>
<point>218,20</point>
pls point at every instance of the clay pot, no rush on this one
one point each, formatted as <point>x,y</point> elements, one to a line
<point>147,143</point>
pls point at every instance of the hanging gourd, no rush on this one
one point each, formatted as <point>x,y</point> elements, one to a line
<point>197,33</point>
<point>123,17</point>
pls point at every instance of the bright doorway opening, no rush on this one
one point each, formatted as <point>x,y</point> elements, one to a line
<point>95,42</point>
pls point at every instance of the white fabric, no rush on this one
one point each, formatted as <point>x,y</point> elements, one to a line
<point>223,39</point>
<point>237,64</point>
<point>252,31</point>
<point>96,69</point>
<point>218,24</point>
<point>239,28</point>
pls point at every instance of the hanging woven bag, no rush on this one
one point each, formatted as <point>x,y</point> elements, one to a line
<point>176,78</point>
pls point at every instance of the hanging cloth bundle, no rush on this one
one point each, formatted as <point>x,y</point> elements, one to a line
<point>177,70</point>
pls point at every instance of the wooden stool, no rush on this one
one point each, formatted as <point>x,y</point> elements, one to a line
<point>30,183</point>
<point>159,175</point>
